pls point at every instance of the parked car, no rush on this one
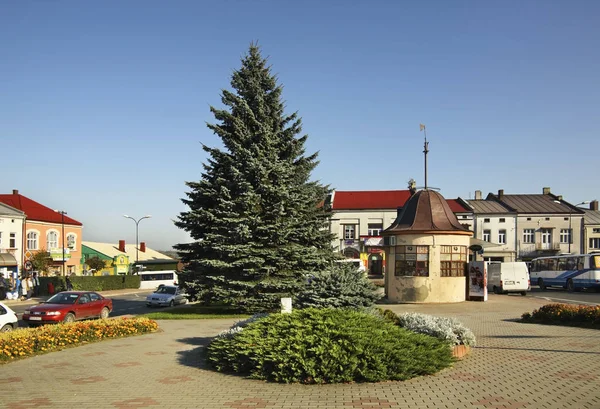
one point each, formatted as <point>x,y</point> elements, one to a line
<point>504,278</point>
<point>69,306</point>
<point>166,296</point>
<point>8,319</point>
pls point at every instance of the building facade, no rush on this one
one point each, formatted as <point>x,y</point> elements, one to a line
<point>48,230</point>
<point>122,258</point>
<point>12,222</point>
<point>591,228</point>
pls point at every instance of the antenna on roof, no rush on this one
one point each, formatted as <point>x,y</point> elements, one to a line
<point>426,151</point>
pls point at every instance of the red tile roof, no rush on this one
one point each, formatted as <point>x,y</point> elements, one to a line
<point>36,211</point>
<point>380,199</point>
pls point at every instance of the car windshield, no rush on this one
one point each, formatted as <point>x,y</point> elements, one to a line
<point>63,299</point>
<point>166,290</point>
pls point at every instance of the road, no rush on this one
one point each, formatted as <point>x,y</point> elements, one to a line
<point>563,296</point>
<point>133,304</point>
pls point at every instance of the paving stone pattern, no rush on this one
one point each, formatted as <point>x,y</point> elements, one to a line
<point>514,366</point>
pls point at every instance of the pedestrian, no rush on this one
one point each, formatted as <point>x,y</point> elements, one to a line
<point>36,284</point>
<point>29,292</point>
<point>24,288</point>
<point>69,284</point>
<point>4,287</point>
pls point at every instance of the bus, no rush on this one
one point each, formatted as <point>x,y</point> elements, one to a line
<point>573,272</point>
<point>150,280</point>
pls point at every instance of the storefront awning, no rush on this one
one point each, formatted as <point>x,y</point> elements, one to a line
<point>7,260</point>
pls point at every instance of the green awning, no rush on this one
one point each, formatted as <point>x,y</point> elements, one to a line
<point>8,260</point>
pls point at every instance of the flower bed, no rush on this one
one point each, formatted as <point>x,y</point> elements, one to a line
<point>565,314</point>
<point>30,341</point>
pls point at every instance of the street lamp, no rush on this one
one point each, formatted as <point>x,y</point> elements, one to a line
<point>137,225</point>
<point>570,218</point>
<point>62,216</point>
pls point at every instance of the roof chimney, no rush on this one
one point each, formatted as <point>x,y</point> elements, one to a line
<point>478,195</point>
<point>15,192</point>
<point>122,246</point>
<point>143,247</point>
<point>559,197</point>
<point>546,190</point>
<point>501,194</point>
<point>594,205</point>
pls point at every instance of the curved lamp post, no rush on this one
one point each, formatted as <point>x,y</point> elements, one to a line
<point>137,225</point>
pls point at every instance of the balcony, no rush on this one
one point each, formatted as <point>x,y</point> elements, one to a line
<point>547,246</point>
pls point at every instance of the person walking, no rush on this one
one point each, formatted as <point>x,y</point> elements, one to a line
<point>4,287</point>
<point>29,292</point>
<point>68,283</point>
<point>36,284</point>
<point>24,288</point>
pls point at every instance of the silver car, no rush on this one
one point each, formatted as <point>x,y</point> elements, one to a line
<point>166,296</point>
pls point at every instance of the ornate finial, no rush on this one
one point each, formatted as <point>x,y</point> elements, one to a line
<point>412,186</point>
<point>424,130</point>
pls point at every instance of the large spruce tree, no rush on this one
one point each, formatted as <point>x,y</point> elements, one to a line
<point>257,220</point>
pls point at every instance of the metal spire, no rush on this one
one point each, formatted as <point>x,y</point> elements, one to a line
<point>425,151</point>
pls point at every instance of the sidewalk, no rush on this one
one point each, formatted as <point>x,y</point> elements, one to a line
<point>110,293</point>
<point>513,366</point>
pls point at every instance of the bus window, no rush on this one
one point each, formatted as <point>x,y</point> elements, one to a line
<point>562,264</point>
<point>596,262</point>
<point>551,266</point>
<point>580,263</point>
<point>571,263</point>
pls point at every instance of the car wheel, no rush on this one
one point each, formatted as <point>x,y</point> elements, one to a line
<point>69,318</point>
<point>172,303</point>
<point>496,291</point>
<point>523,293</point>
<point>104,313</point>
<point>541,284</point>
<point>6,328</point>
<point>570,285</point>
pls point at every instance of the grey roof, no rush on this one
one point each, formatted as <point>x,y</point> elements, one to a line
<point>6,210</point>
<point>488,206</point>
<point>591,217</point>
<point>537,204</point>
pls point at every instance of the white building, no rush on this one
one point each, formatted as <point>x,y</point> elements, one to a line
<point>12,222</point>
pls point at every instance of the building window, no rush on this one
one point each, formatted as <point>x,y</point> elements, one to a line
<point>502,220</point>
<point>502,236</point>
<point>375,229</point>
<point>52,240</point>
<point>566,219</point>
<point>547,219</point>
<point>487,234</point>
<point>486,220</point>
<point>71,242</point>
<point>595,243</point>
<point>32,241</point>
<point>529,219</point>
<point>464,217</point>
<point>349,231</point>
<point>12,241</point>
<point>412,261</point>
<point>565,236</point>
<point>453,261</point>
<point>596,230</point>
<point>528,236</point>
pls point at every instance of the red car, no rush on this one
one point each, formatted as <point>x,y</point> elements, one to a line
<point>69,306</point>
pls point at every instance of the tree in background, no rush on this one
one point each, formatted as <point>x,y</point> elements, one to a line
<point>97,264</point>
<point>258,221</point>
<point>41,261</point>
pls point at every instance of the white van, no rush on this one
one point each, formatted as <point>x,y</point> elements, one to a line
<point>504,278</point>
<point>356,262</point>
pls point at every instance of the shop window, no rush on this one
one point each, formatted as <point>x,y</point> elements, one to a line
<point>412,261</point>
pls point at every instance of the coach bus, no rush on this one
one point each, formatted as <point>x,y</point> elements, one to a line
<point>152,279</point>
<point>573,272</point>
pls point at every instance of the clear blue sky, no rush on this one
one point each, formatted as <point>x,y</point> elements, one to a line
<point>103,104</point>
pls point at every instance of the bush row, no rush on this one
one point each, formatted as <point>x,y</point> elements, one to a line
<point>565,314</point>
<point>326,346</point>
<point>30,341</point>
<point>90,283</point>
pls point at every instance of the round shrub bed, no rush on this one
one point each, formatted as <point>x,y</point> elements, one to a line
<point>327,346</point>
<point>30,341</point>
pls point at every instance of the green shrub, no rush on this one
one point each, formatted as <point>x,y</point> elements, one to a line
<point>326,346</point>
<point>447,329</point>
<point>341,286</point>
<point>565,314</point>
<point>90,283</point>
